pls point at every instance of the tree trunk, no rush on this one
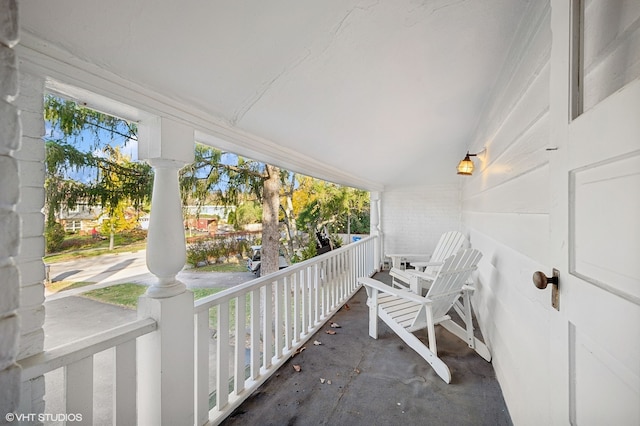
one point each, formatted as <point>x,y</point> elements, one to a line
<point>111,237</point>
<point>289,217</point>
<point>270,232</point>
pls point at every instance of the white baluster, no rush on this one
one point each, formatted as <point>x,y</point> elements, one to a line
<point>166,246</point>
<point>375,229</point>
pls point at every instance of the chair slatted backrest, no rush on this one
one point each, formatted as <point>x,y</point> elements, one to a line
<point>449,243</point>
<point>452,276</point>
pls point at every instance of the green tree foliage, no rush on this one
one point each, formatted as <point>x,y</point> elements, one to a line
<point>54,237</point>
<point>85,142</point>
<point>230,179</point>
<point>341,209</point>
<point>84,162</point>
<point>246,213</point>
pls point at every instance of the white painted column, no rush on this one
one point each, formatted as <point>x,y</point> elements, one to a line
<point>167,146</point>
<point>166,245</point>
<point>166,384</point>
<point>374,227</point>
<point>165,357</point>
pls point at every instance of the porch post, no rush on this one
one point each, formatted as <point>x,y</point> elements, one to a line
<point>374,228</point>
<point>166,245</point>
<point>165,357</point>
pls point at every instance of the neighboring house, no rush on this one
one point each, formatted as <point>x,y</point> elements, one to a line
<point>81,218</point>
<point>208,224</point>
<point>206,218</point>
<point>384,96</point>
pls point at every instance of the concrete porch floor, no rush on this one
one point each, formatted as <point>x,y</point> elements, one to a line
<point>375,382</point>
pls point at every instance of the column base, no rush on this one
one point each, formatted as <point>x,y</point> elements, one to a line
<point>163,291</point>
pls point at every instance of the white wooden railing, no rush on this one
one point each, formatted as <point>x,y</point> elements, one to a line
<point>240,340</point>
<point>76,358</point>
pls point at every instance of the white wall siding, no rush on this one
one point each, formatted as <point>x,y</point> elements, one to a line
<point>505,210</point>
<point>30,159</point>
<point>515,320</point>
<point>9,219</point>
<point>413,220</point>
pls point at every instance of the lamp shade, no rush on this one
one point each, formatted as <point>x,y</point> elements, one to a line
<point>465,167</point>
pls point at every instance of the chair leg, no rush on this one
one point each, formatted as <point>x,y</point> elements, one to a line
<point>466,334</point>
<point>372,301</point>
<point>468,319</point>
<point>414,343</point>
<point>431,331</point>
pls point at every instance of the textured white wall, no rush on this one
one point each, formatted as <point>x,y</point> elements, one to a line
<point>505,206</point>
<point>505,210</point>
<point>30,159</point>
<point>9,218</point>
<point>413,220</point>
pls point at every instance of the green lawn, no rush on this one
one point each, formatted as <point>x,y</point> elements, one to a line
<point>127,295</point>
<point>92,252</point>
<point>222,267</point>
<point>77,246</point>
<point>120,294</point>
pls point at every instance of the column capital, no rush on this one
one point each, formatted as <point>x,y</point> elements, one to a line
<point>162,138</point>
<point>166,163</point>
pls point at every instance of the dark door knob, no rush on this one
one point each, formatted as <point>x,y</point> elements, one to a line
<point>540,280</point>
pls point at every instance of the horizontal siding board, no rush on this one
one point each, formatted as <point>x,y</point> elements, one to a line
<point>526,233</point>
<point>529,58</point>
<point>515,321</point>
<point>508,196</point>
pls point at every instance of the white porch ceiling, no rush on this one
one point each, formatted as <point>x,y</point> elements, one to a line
<point>387,92</point>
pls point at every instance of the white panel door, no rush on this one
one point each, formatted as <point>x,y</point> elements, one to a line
<point>595,234</point>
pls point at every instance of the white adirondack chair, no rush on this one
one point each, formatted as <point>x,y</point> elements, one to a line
<point>405,312</point>
<point>426,265</point>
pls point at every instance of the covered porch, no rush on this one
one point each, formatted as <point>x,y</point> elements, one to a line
<point>383,96</point>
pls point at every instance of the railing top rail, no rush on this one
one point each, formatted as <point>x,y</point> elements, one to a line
<point>69,353</point>
<point>225,295</point>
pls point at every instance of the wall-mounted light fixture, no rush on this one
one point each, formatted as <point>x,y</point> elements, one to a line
<point>465,167</point>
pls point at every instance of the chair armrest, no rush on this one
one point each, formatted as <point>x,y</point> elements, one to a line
<point>425,264</point>
<point>398,292</point>
<point>396,258</point>
<point>420,274</point>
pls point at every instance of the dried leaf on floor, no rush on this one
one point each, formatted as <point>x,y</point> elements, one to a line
<point>297,367</point>
<point>357,371</point>
<point>298,351</point>
<point>346,306</point>
<point>321,380</point>
<point>335,325</point>
<point>315,342</point>
<point>330,332</point>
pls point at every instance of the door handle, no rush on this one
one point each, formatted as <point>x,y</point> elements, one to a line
<point>540,280</point>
